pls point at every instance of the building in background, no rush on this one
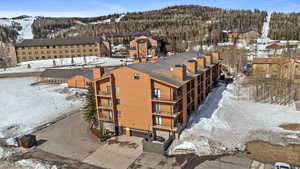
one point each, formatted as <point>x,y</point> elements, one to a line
<point>8,56</point>
<point>147,46</point>
<point>155,99</point>
<point>76,78</point>
<point>122,37</point>
<point>39,49</point>
<point>284,68</point>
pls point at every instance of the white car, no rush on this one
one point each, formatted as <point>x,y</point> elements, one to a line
<point>281,165</point>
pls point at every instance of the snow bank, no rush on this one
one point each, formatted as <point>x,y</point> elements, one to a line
<point>35,164</point>
<point>25,107</point>
<point>226,122</point>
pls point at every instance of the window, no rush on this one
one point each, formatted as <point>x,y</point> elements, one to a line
<point>119,114</point>
<point>156,93</point>
<point>108,89</point>
<point>136,76</point>
<point>118,101</point>
<point>110,114</point>
<point>156,107</point>
<point>157,120</point>
<point>117,90</point>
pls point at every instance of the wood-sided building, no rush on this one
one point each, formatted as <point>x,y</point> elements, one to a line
<point>155,99</point>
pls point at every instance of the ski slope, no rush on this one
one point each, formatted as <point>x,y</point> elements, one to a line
<point>25,23</point>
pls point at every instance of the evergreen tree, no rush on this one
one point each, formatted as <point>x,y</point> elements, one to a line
<point>90,110</point>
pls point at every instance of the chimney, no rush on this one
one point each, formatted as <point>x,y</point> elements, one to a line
<point>201,61</point>
<point>192,66</point>
<point>97,72</point>
<point>180,71</point>
<point>216,56</point>
<point>208,59</point>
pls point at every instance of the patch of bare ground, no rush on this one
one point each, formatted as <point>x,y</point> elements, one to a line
<point>292,127</point>
<point>269,153</point>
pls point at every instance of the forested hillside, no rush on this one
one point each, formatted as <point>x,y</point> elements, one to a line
<point>285,26</point>
<point>7,34</point>
<point>193,24</point>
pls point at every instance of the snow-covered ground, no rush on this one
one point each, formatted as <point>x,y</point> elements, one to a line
<point>41,65</point>
<point>227,121</point>
<point>24,107</point>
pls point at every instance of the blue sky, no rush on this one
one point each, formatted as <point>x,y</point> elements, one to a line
<point>65,8</point>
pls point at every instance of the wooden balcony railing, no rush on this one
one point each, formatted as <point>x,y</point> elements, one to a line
<point>104,93</point>
<point>167,114</point>
<point>168,98</point>
<point>105,106</point>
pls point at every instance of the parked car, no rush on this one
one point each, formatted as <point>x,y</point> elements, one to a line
<point>281,165</point>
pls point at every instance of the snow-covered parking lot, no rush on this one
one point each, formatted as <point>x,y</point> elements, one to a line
<point>226,122</point>
<point>24,107</point>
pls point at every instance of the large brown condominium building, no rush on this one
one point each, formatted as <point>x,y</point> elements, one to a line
<point>38,49</point>
<point>155,99</point>
<point>123,37</point>
<point>145,46</point>
<point>284,68</point>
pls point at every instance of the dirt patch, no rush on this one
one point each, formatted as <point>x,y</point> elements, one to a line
<point>123,143</point>
<point>292,127</point>
<point>269,153</point>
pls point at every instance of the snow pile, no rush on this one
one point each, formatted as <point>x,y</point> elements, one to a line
<point>118,48</point>
<point>226,122</point>
<point>34,164</point>
<point>41,65</point>
<point>25,107</point>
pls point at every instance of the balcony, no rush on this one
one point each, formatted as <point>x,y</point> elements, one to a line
<point>169,128</point>
<point>166,98</point>
<point>105,106</point>
<point>108,119</point>
<point>167,114</point>
<point>104,93</point>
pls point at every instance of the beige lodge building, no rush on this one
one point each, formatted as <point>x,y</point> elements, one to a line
<point>39,49</point>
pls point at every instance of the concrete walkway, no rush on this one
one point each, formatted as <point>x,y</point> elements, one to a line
<point>117,153</point>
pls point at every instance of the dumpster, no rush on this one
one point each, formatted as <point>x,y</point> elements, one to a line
<point>27,141</point>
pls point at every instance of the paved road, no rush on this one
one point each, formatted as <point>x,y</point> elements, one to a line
<point>69,138</point>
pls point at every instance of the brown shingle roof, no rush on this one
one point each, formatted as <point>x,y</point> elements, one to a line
<point>271,60</point>
<point>67,73</point>
<point>59,41</point>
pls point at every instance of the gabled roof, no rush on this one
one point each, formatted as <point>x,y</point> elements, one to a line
<point>59,41</point>
<point>68,73</point>
<point>125,34</point>
<point>271,60</point>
